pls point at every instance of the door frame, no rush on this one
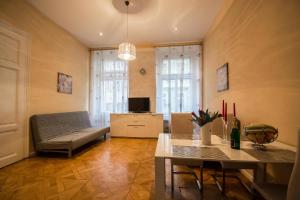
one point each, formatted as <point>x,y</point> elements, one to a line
<point>26,50</point>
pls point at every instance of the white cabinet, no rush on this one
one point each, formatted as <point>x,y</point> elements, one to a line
<point>117,124</point>
<point>138,125</point>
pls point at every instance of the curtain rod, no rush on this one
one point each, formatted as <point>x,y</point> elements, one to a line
<point>103,48</point>
<point>151,46</point>
<point>177,44</point>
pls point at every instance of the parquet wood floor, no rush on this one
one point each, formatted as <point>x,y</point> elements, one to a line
<point>113,169</point>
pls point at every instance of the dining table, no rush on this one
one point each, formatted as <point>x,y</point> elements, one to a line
<point>190,147</point>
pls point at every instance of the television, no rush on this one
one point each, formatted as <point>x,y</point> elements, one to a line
<point>139,104</point>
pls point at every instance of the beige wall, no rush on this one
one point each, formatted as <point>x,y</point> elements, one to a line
<point>53,50</point>
<point>143,85</point>
<point>261,42</point>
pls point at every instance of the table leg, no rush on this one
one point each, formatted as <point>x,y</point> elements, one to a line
<point>160,177</point>
<point>260,173</point>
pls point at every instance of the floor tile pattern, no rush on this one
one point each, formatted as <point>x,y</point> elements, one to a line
<point>113,169</point>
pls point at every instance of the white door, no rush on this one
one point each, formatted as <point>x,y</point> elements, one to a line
<point>13,84</point>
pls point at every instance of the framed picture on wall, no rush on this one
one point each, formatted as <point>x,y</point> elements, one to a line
<point>222,78</point>
<point>64,83</point>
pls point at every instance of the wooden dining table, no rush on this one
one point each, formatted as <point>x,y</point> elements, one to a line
<point>190,147</point>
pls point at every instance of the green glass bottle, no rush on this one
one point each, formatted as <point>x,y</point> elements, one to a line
<point>235,135</point>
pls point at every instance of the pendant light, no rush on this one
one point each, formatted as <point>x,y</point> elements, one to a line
<point>126,49</point>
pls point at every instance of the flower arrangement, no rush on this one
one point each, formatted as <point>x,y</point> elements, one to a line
<point>204,117</point>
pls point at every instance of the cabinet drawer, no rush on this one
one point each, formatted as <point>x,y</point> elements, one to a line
<point>135,131</point>
<point>137,120</point>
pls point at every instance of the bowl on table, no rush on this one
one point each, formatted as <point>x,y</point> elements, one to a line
<point>260,134</point>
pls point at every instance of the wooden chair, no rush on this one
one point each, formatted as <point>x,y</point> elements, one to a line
<point>272,191</point>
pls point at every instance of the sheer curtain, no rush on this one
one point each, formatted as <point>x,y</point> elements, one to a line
<point>177,79</point>
<point>109,86</point>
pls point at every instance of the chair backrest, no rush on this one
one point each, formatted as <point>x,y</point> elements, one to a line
<point>181,123</point>
<point>217,127</point>
<point>294,183</point>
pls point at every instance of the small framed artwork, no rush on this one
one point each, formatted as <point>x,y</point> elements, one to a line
<point>64,83</point>
<point>222,78</point>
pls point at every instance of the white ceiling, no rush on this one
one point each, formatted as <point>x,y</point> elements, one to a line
<point>159,21</point>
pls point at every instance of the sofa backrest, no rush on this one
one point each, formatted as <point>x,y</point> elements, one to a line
<point>47,126</point>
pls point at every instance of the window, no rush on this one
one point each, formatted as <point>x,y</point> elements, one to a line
<point>109,87</point>
<point>177,79</point>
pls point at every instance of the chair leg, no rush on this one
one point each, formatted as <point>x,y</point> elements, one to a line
<point>221,186</point>
<point>70,153</point>
<point>253,193</point>
<point>199,182</point>
<point>201,178</point>
<point>172,176</point>
<point>223,181</point>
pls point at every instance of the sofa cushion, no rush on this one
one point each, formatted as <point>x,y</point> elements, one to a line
<point>73,140</point>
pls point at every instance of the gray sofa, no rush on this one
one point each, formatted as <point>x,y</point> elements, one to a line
<point>63,132</point>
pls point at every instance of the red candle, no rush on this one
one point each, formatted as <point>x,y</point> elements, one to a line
<point>223,108</point>
<point>225,115</point>
<point>234,114</point>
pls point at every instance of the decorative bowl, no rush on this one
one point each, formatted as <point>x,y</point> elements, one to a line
<point>261,134</point>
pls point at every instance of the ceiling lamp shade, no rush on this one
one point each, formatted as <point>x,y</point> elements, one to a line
<point>127,51</point>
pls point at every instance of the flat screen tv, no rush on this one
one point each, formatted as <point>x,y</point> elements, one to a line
<point>139,104</point>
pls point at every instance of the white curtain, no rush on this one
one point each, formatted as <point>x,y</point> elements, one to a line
<point>109,86</point>
<point>177,79</point>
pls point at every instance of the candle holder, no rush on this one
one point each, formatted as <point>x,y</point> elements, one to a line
<point>225,134</point>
